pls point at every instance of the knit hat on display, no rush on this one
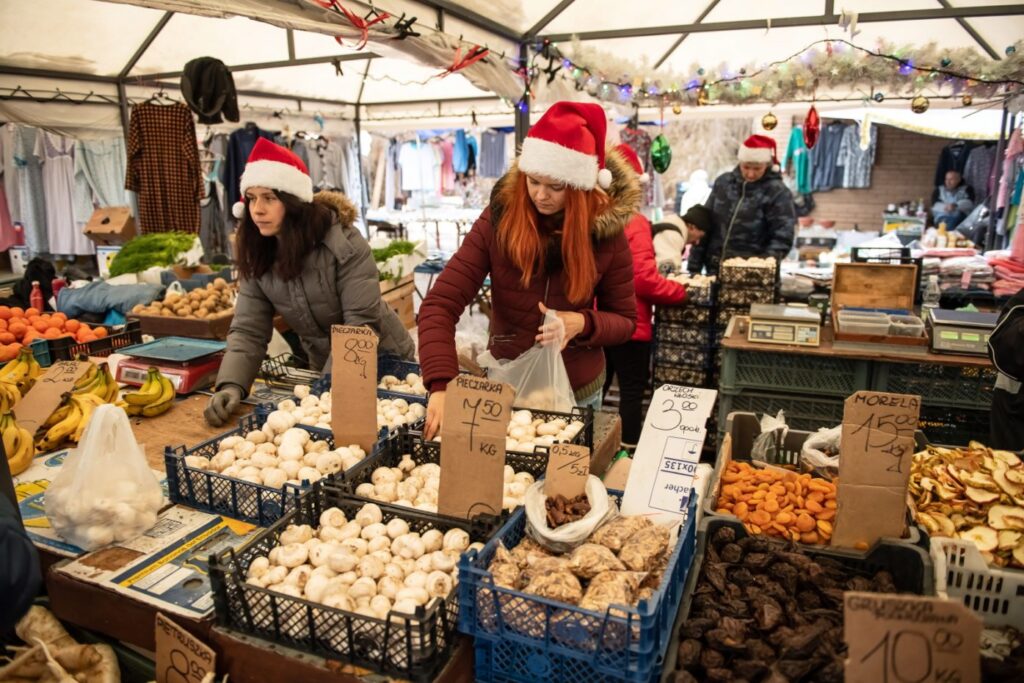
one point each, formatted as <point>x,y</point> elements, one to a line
<point>567,144</point>
<point>273,166</point>
<point>634,161</point>
<point>758,149</point>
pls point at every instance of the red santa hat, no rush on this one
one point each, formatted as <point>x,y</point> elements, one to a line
<point>273,166</point>
<point>567,144</point>
<point>758,149</point>
<point>630,156</point>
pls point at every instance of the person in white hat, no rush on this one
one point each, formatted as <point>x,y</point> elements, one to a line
<point>552,238</point>
<point>752,209</point>
<point>298,255</point>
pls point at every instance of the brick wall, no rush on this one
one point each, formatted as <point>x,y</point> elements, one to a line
<point>904,169</point>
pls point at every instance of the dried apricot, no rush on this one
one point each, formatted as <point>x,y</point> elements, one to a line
<point>805,523</point>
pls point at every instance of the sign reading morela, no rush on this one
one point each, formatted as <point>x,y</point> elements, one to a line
<point>665,463</point>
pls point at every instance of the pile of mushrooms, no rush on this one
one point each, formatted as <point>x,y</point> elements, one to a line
<point>277,454</point>
<point>412,384</point>
<point>363,565</point>
<point>315,411</point>
<point>416,486</point>
<point>526,432</point>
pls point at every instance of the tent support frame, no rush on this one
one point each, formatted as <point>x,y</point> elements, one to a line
<point>547,19</point>
<point>982,43</point>
<point>679,41</point>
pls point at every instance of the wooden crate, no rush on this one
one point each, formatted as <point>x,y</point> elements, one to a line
<point>874,286</point>
<point>399,296</point>
<point>214,327</point>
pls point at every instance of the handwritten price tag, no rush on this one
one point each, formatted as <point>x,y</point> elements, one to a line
<point>47,393</point>
<point>567,470</point>
<point>354,376</point>
<point>476,415</point>
<point>876,450</point>
<point>661,478</point>
<point>180,656</point>
<point>910,639</point>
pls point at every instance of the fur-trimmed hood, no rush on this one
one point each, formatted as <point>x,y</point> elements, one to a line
<point>341,205</point>
<point>625,193</point>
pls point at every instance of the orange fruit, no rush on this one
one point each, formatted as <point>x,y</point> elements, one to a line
<point>17,311</point>
<point>31,312</point>
<point>52,333</point>
<point>85,339</point>
<point>18,329</point>
<point>7,338</point>
<point>55,325</point>
<point>3,325</point>
<point>40,325</point>
<point>30,336</point>
<point>83,327</point>
<point>8,353</point>
<point>5,312</point>
<point>100,332</point>
<point>72,325</point>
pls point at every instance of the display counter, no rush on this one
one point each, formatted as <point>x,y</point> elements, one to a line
<point>811,383</point>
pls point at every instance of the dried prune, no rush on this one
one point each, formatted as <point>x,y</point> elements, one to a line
<point>711,659</point>
<point>731,553</point>
<point>725,534</point>
<point>688,653</point>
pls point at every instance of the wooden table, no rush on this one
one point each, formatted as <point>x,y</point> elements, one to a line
<point>182,425</point>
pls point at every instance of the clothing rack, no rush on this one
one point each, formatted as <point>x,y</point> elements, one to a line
<point>42,96</point>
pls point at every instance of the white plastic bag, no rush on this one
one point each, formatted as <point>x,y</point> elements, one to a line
<point>105,491</point>
<point>773,434</point>
<point>814,455</point>
<point>568,536</point>
<point>538,374</point>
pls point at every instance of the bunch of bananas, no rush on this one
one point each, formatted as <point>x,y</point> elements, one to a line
<point>99,382</point>
<point>22,371</point>
<point>17,444</point>
<point>96,387</point>
<point>9,396</point>
<point>154,397</point>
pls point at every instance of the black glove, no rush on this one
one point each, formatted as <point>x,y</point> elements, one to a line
<point>222,404</point>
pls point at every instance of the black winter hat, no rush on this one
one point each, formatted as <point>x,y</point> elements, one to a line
<point>700,216</point>
<point>209,90</point>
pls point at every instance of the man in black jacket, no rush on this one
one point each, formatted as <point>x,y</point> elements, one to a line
<point>752,208</point>
<point>1006,349</point>
<point>20,579</point>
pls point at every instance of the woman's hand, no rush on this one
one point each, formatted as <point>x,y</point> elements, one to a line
<point>570,325</point>
<point>435,415</point>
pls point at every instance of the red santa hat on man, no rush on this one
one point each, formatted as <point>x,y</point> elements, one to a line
<point>627,153</point>
<point>567,144</point>
<point>273,166</point>
<point>758,149</point>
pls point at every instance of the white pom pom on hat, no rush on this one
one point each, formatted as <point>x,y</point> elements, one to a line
<point>238,210</point>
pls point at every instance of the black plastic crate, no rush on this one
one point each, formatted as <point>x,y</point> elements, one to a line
<point>686,314</point>
<point>954,425</point>
<point>674,333</point>
<point>264,409</point>
<point>747,276</point>
<point>792,373</point>
<point>415,649</point>
<point>910,566</point>
<point>49,351</point>
<point>955,386</point>
<point>687,377</point>
<point>280,372</point>
<point>386,365</point>
<point>806,413</point>
<point>682,355</point>
<point>223,495</point>
<point>744,296</point>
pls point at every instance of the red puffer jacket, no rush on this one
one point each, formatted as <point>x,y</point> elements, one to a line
<point>651,287</point>
<point>610,313</point>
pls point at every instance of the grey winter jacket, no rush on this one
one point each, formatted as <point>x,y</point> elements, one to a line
<point>962,197</point>
<point>750,219</point>
<point>338,285</point>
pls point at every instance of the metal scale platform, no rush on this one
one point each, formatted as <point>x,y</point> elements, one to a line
<point>190,364</point>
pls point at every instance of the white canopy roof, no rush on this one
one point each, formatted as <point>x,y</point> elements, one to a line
<point>137,42</point>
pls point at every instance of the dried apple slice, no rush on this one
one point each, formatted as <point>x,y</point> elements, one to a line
<point>1007,458</point>
<point>984,537</point>
<point>946,527</point>
<point>981,495</point>
<point>1006,517</point>
<point>1009,538</point>
<point>981,480</point>
<point>1000,478</point>
<point>1018,555</point>
<point>928,522</point>
<point>1016,475</point>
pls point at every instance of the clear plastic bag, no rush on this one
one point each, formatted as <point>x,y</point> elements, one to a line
<point>539,374</point>
<point>105,491</point>
<point>815,453</point>
<point>773,434</point>
<point>568,536</point>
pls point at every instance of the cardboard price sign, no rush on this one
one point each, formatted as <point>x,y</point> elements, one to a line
<point>910,639</point>
<point>567,470</point>
<point>876,452</point>
<point>354,375</point>
<point>46,395</point>
<point>665,463</point>
<point>180,656</point>
<point>476,415</point>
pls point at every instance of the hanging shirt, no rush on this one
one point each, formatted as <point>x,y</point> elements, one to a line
<point>798,154</point>
<point>855,162</point>
<point>460,152</point>
<point>240,145</point>
<point>99,175</point>
<point>57,155</point>
<point>447,167</point>
<point>952,158</point>
<point>492,154</point>
<point>824,157</point>
<point>472,154</point>
<point>25,203</point>
<point>978,170</point>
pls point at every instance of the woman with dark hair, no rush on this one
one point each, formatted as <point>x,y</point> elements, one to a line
<point>299,256</point>
<point>552,238</point>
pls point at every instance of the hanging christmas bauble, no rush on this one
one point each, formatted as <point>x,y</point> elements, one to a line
<point>945,62</point>
<point>676,109</point>
<point>878,97</point>
<point>812,128</point>
<point>769,121</point>
<point>700,71</point>
<point>1010,49</point>
<point>967,100</point>
<point>661,154</point>
<point>919,104</point>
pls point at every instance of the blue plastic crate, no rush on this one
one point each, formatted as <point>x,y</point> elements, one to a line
<point>222,495</point>
<point>521,637</point>
<point>386,365</point>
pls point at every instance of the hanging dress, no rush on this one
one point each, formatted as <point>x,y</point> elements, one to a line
<point>56,154</point>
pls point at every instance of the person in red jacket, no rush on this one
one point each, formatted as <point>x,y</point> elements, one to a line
<point>551,238</point>
<point>631,361</point>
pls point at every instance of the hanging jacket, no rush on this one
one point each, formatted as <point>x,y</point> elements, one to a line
<point>800,156</point>
<point>610,313</point>
<point>651,287</point>
<point>339,285</point>
<point>751,219</point>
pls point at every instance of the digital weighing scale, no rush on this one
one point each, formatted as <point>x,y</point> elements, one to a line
<point>190,364</point>
<point>961,331</point>
<point>782,324</point>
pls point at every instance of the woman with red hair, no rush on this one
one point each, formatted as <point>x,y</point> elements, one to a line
<point>552,238</point>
